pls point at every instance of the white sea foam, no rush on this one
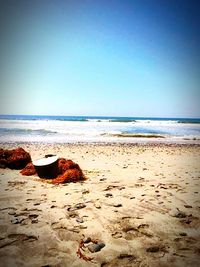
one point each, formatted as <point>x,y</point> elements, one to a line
<point>94,130</point>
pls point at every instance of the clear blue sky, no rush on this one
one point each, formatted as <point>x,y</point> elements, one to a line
<point>109,58</point>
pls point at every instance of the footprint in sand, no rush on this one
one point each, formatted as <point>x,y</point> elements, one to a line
<point>17,238</point>
<point>126,229</point>
<point>124,259</point>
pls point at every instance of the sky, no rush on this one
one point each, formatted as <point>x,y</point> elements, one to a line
<point>103,58</point>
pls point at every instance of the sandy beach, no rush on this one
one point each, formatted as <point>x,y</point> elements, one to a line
<point>141,200</point>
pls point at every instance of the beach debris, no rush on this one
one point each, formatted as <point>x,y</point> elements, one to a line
<point>109,187</point>
<point>102,179</point>
<point>79,220</point>
<point>28,170</point>
<point>92,245</point>
<point>153,249</point>
<point>34,220</point>
<point>117,205</point>
<point>64,165</point>
<point>67,170</point>
<point>85,191</point>
<point>33,216</point>
<point>143,225</point>
<point>80,206</point>
<point>47,167</point>
<point>97,206</point>
<point>190,220</point>
<point>168,186</point>
<point>18,220</point>
<point>183,234</point>
<point>71,175</point>
<point>117,235</point>
<point>96,247</point>
<point>77,206</point>
<point>177,213</point>
<point>108,195</point>
<point>72,213</point>
<point>188,206</point>
<point>87,240</point>
<point>14,159</point>
<point>80,254</point>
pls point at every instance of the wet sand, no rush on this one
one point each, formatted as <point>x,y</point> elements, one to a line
<point>142,201</point>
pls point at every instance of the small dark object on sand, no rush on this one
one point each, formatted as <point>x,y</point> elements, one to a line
<point>177,213</point>
<point>183,234</point>
<point>49,155</point>
<point>96,247</point>
<point>153,249</point>
<point>108,195</point>
<point>86,240</point>
<point>80,206</point>
<point>16,220</point>
<point>117,205</point>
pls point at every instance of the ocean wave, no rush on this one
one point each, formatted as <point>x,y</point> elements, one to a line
<point>25,131</point>
<point>143,120</point>
<point>190,121</point>
<point>138,135</point>
<point>97,120</point>
<point>99,129</point>
<point>111,120</point>
<point>41,118</point>
<point>122,120</point>
<point>157,122</point>
<point>71,119</point>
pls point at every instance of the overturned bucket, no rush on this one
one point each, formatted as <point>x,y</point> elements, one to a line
<point>47,167</point>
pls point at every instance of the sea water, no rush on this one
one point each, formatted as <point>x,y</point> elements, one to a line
<point>67,129</point>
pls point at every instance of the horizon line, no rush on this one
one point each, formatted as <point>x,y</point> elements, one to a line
<point>98,116</point>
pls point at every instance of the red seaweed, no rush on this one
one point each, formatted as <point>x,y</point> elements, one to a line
<point>29,170</point>
<point>68,171</point>
<point>14,159</point>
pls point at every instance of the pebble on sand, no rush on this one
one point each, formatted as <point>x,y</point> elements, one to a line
<point>153,249</point>
<point>96,247</point>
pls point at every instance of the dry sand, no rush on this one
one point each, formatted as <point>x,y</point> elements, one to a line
<point>128,202</point>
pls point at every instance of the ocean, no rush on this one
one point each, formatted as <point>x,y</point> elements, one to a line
<point>73,129</point>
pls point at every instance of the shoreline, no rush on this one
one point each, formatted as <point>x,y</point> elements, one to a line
<point>107,143</point>
<point>140,200</point>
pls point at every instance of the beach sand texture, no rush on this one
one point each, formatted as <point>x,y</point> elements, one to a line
<point>141,201</point>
